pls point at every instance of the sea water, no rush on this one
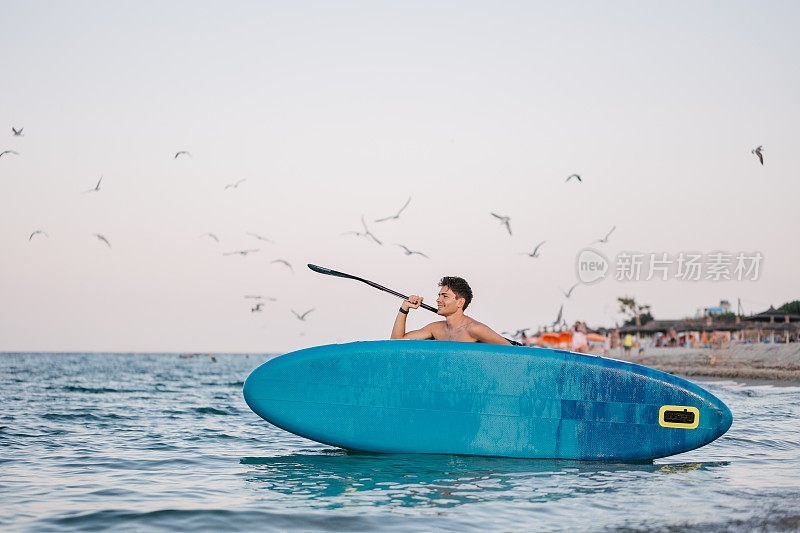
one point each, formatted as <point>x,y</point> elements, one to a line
<point>165,442</point>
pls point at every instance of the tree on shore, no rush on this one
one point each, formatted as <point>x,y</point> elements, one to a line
<point>637,313</point>
<point>791,307</point>
<point>727,318</point>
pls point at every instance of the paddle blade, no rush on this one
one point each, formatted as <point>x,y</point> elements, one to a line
<point>328,271</point>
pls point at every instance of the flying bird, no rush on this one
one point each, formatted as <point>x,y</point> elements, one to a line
<point>506,221</point>
<point>17,133</point>
<point>574,176</point>
<point>535,252</point>
<point>569,292</point>
<point>259,237</point>
<point>303,316</point>
<point>8,152</point>
<point>407,251</point>
<point>284,262</point>
<point>395,217</point>
<point>257,308</point>
<point>209,235</point>
<point>37,232</point>
<point>102,238</point>
<point>182,152</point>
<point>604,239</point>
<point>758,151</point>
<point>558,318</point>
<point>234,185</point>
<point>259,297</point>
<point>96,187</point>
<point>367,233</point>
<point>242,252</point>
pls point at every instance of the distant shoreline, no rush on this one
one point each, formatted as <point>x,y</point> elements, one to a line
<point>762,362</point>
<point>748,362</point>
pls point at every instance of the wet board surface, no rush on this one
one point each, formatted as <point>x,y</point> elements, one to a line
<point>483,399</point>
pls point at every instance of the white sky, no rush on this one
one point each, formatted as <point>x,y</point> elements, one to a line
<point>331,110</point>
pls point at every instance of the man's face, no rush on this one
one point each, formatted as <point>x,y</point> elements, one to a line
<point>447,302</point>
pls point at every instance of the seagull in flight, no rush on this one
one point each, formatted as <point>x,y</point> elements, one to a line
<point>303,316</point>
<point>257,308</point>
<point>17,133</point>
<point>259,237</point>
<point>182,152</point>
<point>283,262</point>
<point>8,152</point>
<point>367,233</point>
<point>102,238</point>
<point>569,292</point>
<point>411,252</point>
<point>558,318</point>
<point>535,252</point>
<point>242,252</point>
<point>96,187</point>
<point>604,240</point>
<point>234,185</point>
<point>574,176</point>
<point>209,235</point>
<point>758,151</point>
<point>37,232</point>
<point>506,221</point>
<point>395,217</point>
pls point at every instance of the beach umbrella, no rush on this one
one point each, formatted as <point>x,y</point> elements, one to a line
<point>549,338</point>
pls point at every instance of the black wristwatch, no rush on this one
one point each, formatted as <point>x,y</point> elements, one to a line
<point>404,312</point>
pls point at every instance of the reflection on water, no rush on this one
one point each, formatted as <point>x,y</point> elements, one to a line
<point>337,478</point>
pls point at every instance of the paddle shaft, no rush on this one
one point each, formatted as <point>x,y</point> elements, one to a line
<point>330,272</point>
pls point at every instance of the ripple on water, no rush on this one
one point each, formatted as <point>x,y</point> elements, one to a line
<point>224,520</point>
<point>215,411</point>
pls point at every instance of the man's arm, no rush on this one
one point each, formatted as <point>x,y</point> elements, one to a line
<point>483,333</point>
<point>399,328</point>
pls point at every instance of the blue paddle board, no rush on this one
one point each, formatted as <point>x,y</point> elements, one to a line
<point>483,399</point>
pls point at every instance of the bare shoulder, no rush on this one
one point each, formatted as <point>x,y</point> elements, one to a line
<point>437,328</point>
<point>483,333</point>
<point>477,327</point>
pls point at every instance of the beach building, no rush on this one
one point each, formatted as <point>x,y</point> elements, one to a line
<point>719,328</point>
<point>772,324</point>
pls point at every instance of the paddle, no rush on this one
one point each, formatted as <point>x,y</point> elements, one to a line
<point>330,272</point>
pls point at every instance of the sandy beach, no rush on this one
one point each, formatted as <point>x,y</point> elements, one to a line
<point>747,361</point>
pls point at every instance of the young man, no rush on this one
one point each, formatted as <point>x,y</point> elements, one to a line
<point>454,297</point>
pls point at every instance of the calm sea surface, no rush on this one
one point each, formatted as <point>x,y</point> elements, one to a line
<point>166,443</point>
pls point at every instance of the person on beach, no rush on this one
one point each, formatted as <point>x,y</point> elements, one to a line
<point>579,341</point>
<point>454,297</point>
<point>628,343</point>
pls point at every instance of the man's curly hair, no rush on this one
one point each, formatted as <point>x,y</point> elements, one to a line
<point>459,286</point>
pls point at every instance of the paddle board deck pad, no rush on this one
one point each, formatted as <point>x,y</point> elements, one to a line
<point>483,399</point>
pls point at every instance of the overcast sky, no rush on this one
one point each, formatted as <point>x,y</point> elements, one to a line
<point>334,110</point>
